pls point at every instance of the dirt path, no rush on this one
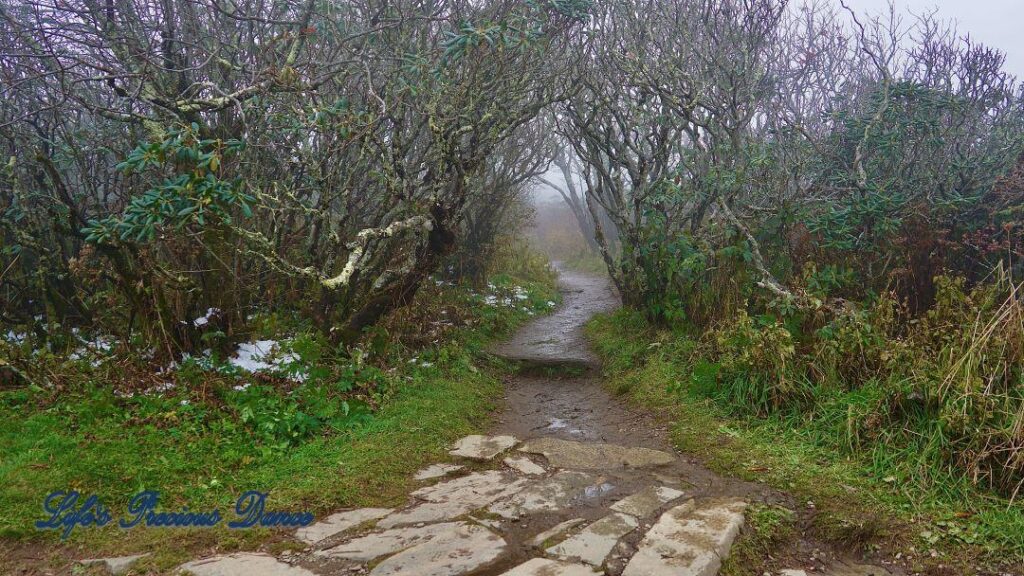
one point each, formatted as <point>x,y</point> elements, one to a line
<point>571,482</point>
<point>559,394</point>
<point>558,390</point>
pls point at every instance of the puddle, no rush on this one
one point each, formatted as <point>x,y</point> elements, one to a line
<point>597,490</point>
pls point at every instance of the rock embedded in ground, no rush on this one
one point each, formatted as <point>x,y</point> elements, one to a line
<point>524,465</point>
<point>556,531</point>
<point>548,495</point>
<point>378,544</point>
<point>464,549</point>
<point>593,544</point>
<point>115,565</point>
<point>479,483</point>
<point>437,471</point>
<point>456,497</point>
<point>853,569</point>
<point>689,540</point>
<point>477,447</point>
<point>338,523</point>
<point>647,501</point>
<point>242,564</point>
<point>546,567</point>
<point>594,455</point>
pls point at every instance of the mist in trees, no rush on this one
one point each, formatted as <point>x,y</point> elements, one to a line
<point>794,135</point>
<point>170,157</point>
<point>167,157</point>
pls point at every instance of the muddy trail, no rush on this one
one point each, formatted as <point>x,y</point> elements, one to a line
<point>557,389</point>
<point>558,393</point>
<point>571,481</point>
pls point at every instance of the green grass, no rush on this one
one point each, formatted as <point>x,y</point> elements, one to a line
<point>769,529</point>
<point>197,446</point>
<point>861,495</point>
<point>586,261</point>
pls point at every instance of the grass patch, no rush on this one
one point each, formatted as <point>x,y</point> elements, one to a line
<point>768,529</point>
<point>854,497</point>
<point>350,435</point>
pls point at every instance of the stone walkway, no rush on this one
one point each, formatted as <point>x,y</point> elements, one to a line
<point>511,508</point>
<point>545,507</point>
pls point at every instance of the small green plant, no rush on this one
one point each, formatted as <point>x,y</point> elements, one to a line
<point>195,194</point>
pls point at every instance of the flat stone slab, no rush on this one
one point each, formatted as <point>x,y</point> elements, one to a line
<point>594,455</point>
<point>477,447</point>
<point>524,465</point>
<point>436,471</point>
<point>242,564</point>
<point>547,567</point>
<point>547,495</point>
<point>593,544</point>
<point>454,498</point>
<point>116,565</point>
<point>647,501</point>
<point>461,550</point>
<point>689,540</point>
<point>338,523</point>
<point>372,546</point>
<point>556,531</point>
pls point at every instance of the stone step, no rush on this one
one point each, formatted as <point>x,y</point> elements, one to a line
<point>547,495</point>
<point>524,465</point>
<point>457,497</point>
<point>462,550</point>
<point>689,540</point>
<point>338,523</point>
<point>477,447</point>
<point>242,564</point>
<point>546,567</point>
<point>647,501</point>
<point>593,544</point>
<point>436,471</point>
<point>379,544</point>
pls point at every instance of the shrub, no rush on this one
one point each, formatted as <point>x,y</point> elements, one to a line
<point>759,369</point>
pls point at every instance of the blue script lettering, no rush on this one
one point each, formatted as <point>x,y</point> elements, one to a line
<point>60,506</point>
<point>142,508</point>
<point>250,508</point>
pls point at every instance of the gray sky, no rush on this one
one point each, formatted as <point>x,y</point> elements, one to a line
<point>996,23</point>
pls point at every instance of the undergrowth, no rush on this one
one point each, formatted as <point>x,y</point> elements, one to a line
<point>879,432</point>
<point>327,429</point>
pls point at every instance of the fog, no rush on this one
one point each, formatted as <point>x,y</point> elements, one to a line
<point>995,23</point>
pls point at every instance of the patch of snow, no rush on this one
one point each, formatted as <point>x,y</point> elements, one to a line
<point>263,355</point>
<point>250,355</point>
<point>205,319</point>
